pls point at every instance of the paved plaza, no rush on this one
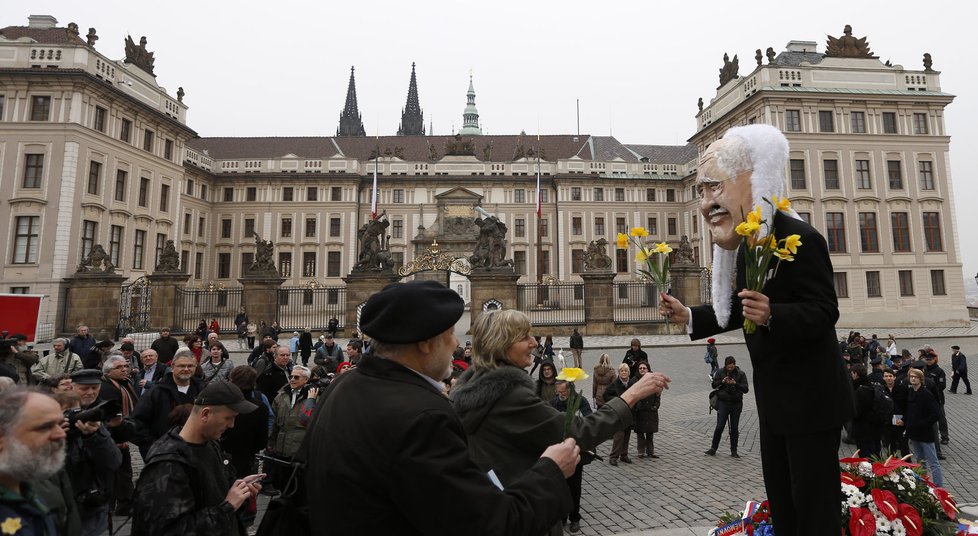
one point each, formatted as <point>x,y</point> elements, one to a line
<point>684,491</point>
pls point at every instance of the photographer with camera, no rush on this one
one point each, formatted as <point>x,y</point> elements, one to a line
<point>731,382</point>
<point>92,458</point>
<point>117,389</point>
<point>18,358</point>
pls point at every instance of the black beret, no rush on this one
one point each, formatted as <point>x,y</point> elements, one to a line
<point>416,311</point>
<point>86,377</point>
<point>955,347</point>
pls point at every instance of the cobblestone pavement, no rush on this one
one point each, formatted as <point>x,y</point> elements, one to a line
<point>684,491</point>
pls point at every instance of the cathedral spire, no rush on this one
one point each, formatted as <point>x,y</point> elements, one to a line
<point>412,119</point>
<point>350,122</point>
<point>470,124</point>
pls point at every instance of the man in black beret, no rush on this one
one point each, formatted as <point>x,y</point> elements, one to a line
<point>396,393</point>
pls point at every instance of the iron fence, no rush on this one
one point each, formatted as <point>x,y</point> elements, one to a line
<point>194,305</point>
<point>134,303</point>
<point>557,304</point>
<point>304,307</point>
<point>637,301</point>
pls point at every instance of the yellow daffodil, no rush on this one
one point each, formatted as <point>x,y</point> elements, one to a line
<point>570,374</point>
<point>755,215</point>
<point>639,232</point>
<point>11,525</point>
<point>782,203</point>
<point>747,228</point>
<point>662,247</point>
<point>791,243</point>
<point>622,241</point>
<point>770,242</point>
<point>643,254</point>
<point>783,254</point>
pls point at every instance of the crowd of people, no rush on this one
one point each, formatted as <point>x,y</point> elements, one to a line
<point>198,421</point>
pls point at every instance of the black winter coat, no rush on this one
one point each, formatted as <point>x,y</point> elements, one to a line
<point>176,495</point>
<point>863,427</point>
<point>921,414</point>
<point>731,393</point>
<point>154,407</point>
<point>249,435</point>
<point>415,477</point>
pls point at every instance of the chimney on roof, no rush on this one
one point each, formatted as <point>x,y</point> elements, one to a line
<point>802,46</point>
<point>41,22</point>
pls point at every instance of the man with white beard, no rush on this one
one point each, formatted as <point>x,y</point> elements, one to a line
<point>32,453</point>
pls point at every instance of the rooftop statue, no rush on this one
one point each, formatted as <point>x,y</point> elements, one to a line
<point>848,46</point>
<point>730,69</point>
<point>138,55</point>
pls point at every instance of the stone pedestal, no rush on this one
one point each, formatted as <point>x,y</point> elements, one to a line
<point>497,289</point>
<point>686,284</point>
<point>162,308</point>
<point>259,296</point>
<point>93,300</point>
<point>599,303</point>
<point>359,287</point>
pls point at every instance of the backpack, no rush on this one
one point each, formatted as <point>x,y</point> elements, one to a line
<point>707,358</point>
<point>882,412</point>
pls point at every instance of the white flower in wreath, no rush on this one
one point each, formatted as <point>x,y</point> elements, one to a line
<point>900,487</point>
<point>893,477</point>
<point>865,469</point>
<point>849,489</point>
<point>856,500</point>
<point>883,525</point>
<point>908,475</point>
<point>898,528</point>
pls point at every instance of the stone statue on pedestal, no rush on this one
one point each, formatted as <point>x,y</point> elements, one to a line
<point>596,258</point>
<point>264,263</point>
<point>169,262</point>
<point>490,247</point>
<point>96,262</point>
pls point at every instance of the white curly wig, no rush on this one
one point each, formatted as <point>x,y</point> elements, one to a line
<point>762,149</point>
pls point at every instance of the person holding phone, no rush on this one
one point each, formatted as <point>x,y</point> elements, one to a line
<point>186,486</point>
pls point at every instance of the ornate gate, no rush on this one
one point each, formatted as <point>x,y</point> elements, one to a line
<point>134,303</point>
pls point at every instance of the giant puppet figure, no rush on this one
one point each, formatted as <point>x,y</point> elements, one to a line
<point>794,349</point>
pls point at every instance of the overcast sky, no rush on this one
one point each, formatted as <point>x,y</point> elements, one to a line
<point>280,68</point>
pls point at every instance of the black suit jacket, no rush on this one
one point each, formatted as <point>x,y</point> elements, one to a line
<point>800,381</point>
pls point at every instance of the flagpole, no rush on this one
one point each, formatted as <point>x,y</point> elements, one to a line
<point>539,218</point>
<point>373,195</point>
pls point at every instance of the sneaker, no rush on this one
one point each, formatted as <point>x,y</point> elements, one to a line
<point>941,457</point>
<point>626,459</point>
<point>945,441</point>
<point>575,526</point>
<point>641,455</point>
<point>711,452</point>
<point>613,461</point>
<point>653,456</point>
<point>734,455</point>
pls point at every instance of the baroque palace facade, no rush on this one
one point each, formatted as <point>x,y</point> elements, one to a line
<point>94,152</point>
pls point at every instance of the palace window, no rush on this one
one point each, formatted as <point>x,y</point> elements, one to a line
<point>33,170</point>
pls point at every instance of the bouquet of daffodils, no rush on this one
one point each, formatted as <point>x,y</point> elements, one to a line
<point>761,246</point>
<point>655,257</point>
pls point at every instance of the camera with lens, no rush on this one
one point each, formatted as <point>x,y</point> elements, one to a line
<point>91,498</point>
<point>101,411</point>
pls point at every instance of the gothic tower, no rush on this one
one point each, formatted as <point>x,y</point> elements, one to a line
<point>412,119</point>
<point>350,122</point>
<point>470,125</point>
